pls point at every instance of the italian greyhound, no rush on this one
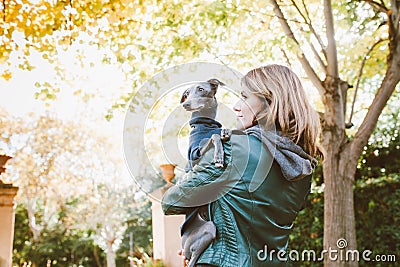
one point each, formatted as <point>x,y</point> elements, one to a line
<point>197,233</point>
<point>200,100</point>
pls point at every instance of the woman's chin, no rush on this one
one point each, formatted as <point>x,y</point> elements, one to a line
<point>240,126</point>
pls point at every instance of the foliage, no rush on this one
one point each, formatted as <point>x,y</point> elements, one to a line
<point>309,225</point>
<point>66,175</point>
<point>383,147</point>
<point>144,39</point>
<point>65,245</point>
<point>377,203</point>
<point>308,228</point>
<point>379,216</point>
<point>376,200</point>
<point>148,262</point>
<point>50,159</point>
<point>22,235</point>
<point>377,196</point>
<point>140,227</point>
<point>59,245</point>
<point>105,210</point>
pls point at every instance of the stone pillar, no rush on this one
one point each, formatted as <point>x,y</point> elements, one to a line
<point>166,229</point>
<point>7,194</point>
<point>3,160</point>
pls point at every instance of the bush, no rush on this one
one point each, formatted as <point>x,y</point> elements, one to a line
<point>377,211</point>
<point>58,245</point>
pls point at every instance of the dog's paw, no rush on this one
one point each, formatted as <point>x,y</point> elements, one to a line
<point>219,162</point>
<point>219,165</point>
<point>226,134</point>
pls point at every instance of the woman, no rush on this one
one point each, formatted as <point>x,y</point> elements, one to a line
<point>255,198</point>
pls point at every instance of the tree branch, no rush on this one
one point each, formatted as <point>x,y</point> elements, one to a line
<point>269,15</point>
<point>379,7</point>
<point>360,75</point>
<point>286,56</point>
<point>394,17</point>
<point>319,59</point>
<point>332,68</point>
<point>35,229</point>
<point>388,85</point>
<point>303,60</point>
<point>366,128</point>
<point>307,20</point>
<point>383,3</point>
<point>291,20</point>
<point>4,11</point>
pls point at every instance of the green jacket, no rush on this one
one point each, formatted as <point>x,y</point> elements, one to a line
<point>253,222</point>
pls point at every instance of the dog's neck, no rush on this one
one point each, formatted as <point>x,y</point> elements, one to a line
<point>210,112</point>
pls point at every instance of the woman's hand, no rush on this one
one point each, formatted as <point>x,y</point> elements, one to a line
<point>185,261</point>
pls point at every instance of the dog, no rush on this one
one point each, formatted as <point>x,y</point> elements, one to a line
<point>199,99</point>
<point>197,234</point>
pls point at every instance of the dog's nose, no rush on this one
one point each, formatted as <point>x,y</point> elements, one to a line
<point>186,105</point>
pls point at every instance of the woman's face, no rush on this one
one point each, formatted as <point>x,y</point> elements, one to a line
<point>246,109</point>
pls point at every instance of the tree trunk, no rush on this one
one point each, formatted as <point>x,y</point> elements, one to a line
<point>110,255</point>
<point>96,256</point>
<point>338,168</point>
<point>32,219</point>
<point>339,222</point>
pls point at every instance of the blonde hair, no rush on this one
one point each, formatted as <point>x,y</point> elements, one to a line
<point>286,105</point>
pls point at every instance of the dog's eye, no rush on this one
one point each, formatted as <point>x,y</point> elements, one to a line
<point>201,89</point>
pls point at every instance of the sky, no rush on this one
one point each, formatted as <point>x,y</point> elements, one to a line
<point>104,83</point>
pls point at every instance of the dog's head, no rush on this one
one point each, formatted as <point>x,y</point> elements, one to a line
<point>201,95</point>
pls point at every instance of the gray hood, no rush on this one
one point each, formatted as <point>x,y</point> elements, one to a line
<point>295,163</point>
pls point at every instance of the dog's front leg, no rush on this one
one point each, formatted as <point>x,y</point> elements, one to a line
<point>218,150</point>
<point>225,134</point>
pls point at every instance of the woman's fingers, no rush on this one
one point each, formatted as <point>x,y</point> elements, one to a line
<point>180,253</point>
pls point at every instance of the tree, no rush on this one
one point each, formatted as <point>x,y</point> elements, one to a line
<point>58,245</point>
<point>376,194</point>
<point>56,165</point>
<point>144,39</point>
<point>45,165</point>
<point>140,229</point>
<point>341,151</point>
<point>105,209</point>
<point>109,210</point>
<point>381,156</point>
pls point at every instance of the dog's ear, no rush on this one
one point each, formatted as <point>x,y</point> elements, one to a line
<point>184,96</point>
<point>215,83</point>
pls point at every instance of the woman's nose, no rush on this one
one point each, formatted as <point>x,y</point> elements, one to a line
<point>236,107</point>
